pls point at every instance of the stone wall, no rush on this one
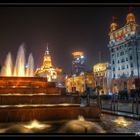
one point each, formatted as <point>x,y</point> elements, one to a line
<point>48,113</point>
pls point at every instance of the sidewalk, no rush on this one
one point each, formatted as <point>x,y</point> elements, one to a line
<point>118,113</point>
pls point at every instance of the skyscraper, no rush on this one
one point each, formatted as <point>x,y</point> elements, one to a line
<point>78,65</point>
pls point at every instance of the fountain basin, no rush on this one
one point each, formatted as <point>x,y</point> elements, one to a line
<point>15,99</point>
<point>43,113</point>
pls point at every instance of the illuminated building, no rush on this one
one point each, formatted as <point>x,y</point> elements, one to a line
<point>78,62</point>
<point>78,83</point>
<point>47,69</point>
<point>124,47</point>
<point>102,76</point>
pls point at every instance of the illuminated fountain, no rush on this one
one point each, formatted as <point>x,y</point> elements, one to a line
<point>24,97</point>
<point>8,66</point>
<point>30,66</point>
<point>81,125</point>
<point>20,69</point>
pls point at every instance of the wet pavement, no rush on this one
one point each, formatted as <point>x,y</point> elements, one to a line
<point>119,124</point>
<point>107,124</point>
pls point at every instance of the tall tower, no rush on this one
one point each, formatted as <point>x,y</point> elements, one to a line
<point>47,69</point>
<point>47,62</point>
<point>124,47</point>
<point>78,62</point>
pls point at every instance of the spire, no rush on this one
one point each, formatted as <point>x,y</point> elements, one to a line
<point>113,25</point>
<point>130,16</point>
<point>130,9</point>
<point>114,18</point>
<point>47,50</point>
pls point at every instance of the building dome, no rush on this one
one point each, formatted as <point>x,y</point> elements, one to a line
<point>130,18</point>
<point>113,26</point>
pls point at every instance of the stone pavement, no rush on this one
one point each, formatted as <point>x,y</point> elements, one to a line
<point>118,124</point>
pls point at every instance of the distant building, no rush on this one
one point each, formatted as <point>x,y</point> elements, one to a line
<point>124,47</point>
<point>78,63</point>
<point>102,77</point>
<point>79,83</point>
<point>47,69</point>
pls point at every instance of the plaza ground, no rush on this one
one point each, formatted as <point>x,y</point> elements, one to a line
<point>107,124</point>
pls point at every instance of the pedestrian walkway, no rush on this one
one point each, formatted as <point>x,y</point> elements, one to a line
<point>129,115</point>
<point>119,124</point>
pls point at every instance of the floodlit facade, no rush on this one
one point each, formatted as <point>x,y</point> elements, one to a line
<point>102,76</point>
<point>47,70</point>
<point>124,47</point>
<point>78,84</point>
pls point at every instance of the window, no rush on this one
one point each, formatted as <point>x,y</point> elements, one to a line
<point>123,67</point>
<point>121,53</point>
<point>130,49</point>
<point>114,69</point>
<point>127,66</point>
<point>126,59</point>
<point>131,65</point>
<point>117,54</point>
<point>113,62</point>
<point>118,68</point>
<point>112,50</point>
<point>118,61</point>
<point>114,76</point>
<point>122,60</point>
<point>130,57</point>
<point>132,73</point>
<point>112,54</point>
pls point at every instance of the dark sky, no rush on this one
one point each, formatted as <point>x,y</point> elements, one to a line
<point>65,29</point>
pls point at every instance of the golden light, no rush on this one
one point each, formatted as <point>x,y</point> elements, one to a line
<point>77,54</point>
<point>100,67</point>
<point>120,121</point>
<point>3,130</point>
<point>36,124</point>
<point>81,118</point>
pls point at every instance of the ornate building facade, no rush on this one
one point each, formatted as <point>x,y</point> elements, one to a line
<point>102,77</point>
<point>47,69</point>
<point>78,83</point>
<point>79,80</point>
<point>124,47</point>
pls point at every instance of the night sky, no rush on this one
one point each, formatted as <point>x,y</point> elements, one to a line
<point>65,28</point>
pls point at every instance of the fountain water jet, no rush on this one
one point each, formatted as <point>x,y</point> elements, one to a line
<point>19,69</point>
<point>8,66</point>
<point>30,66</point>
